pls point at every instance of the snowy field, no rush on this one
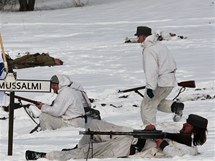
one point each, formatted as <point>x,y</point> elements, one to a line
<point>90,41</point>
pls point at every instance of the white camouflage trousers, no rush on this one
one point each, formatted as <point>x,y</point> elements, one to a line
<point>149,106</point>
<point>48,122</point>
<point>103,145</point>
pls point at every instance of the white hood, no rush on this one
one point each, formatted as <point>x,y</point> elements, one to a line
<point>149,41</point>
<point>65,80</point>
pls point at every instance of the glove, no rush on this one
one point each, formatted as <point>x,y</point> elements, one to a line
<point>150,127</point>
<point>150,93</point>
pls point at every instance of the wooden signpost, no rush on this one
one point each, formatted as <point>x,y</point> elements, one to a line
<point>12,85</point>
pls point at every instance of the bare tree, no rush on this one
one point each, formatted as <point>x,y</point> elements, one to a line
<point>10,3</point>
<point>80,3</point>
<point>29,5</point>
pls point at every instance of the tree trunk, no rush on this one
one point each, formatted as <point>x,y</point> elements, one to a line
<point>31,5</point>
<point>23,5</point>
<point>26,5</point>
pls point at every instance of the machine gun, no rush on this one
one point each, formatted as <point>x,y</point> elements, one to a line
<point>184,84</point>
<point>142,134</point>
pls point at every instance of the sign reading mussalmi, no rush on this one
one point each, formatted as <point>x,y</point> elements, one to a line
<point>26,86</point>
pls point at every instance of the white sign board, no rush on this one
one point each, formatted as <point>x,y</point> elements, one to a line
<point>26,85</point>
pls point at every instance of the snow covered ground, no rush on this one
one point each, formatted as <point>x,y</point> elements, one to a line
<point>90,41</point>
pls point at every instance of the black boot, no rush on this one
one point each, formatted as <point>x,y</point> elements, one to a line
<point>32,155</point>
<point>70,149</point>
<point>177,108</point>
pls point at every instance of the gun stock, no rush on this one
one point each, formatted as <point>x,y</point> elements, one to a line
<point>25,99</point>
<point>189,84</point>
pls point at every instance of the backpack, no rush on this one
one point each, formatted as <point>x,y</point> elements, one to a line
<point>89,111</point>
<point>93,113</point>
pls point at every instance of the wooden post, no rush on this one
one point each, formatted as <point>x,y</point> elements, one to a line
<point>11,116</point>
<point>3,55</point>
<point>10,129</point>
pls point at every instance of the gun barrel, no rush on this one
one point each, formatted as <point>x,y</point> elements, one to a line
<point>132,89</point>
<point>143,134</point>
<point>25,99</point>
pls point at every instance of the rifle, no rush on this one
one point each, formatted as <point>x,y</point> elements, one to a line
<point>189,84</point>
<point>25,99</point>
<point>142,134</point>
<point>184,84</point>
<point>19,105</point>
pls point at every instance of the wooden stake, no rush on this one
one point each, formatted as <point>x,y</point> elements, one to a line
<point>3,54</point>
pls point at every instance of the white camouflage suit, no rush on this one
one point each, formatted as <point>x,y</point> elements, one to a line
<point>150,150</point>
<point>66,108</point>
<point>159,68</point>
<point>117,146</point>
<point>103,145</point>
<point>82,94</point>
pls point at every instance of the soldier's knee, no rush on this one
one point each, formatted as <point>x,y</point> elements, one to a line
<point>45,122</point>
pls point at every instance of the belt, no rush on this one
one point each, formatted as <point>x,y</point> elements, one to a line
<point>172,71</point>
<point>168,72</point>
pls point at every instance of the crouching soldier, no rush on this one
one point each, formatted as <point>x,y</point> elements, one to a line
<point>191,135</point>
<point>69,107</point>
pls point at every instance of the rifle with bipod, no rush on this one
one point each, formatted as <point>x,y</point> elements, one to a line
<point>142,134</point>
